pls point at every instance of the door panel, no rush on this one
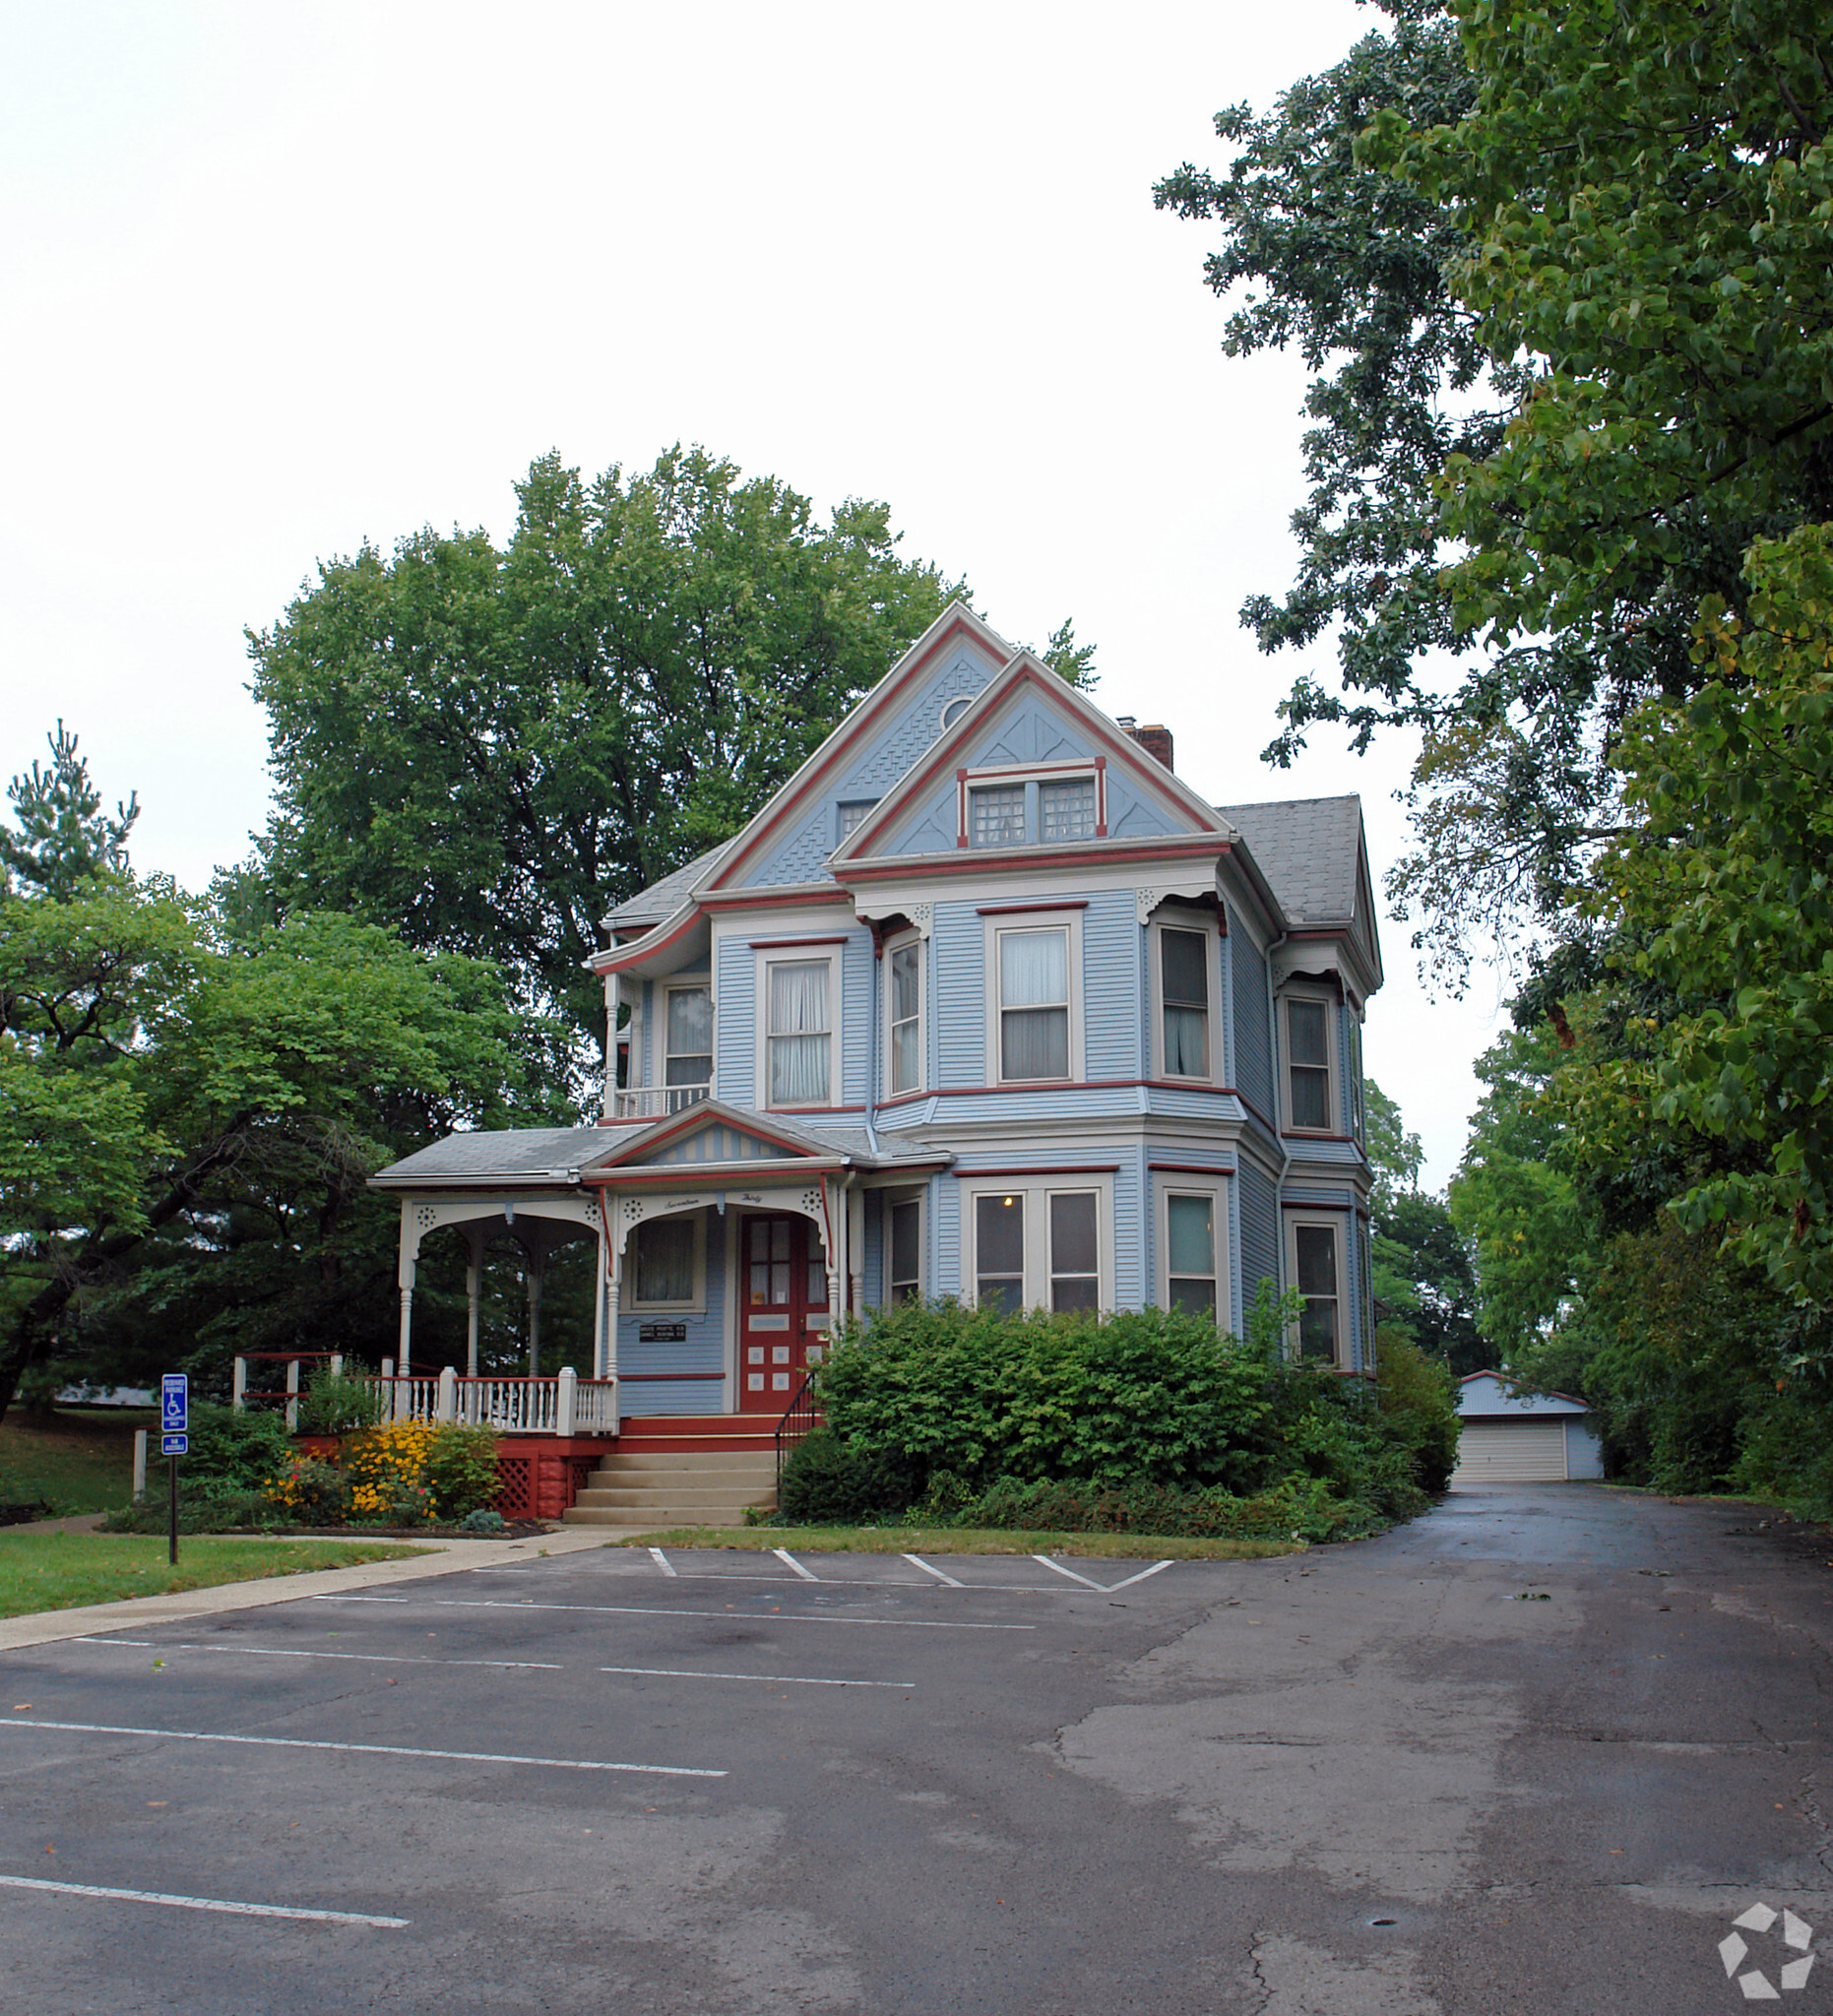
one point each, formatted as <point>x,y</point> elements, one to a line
<point>782,1308</point>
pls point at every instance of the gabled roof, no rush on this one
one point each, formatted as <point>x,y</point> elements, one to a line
<point>512,1155</point>
<point>1310,851</point>
<point>1517,1397</point>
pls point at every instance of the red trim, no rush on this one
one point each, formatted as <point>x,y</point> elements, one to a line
<point>608,963</point>
<point>1101,797</point>
<point>670,1176</point>
<point>786,944</point>
<point>1311,1134</point>
<point>1291,1204</point>
<point>1013,909</point>
<point>1191,1168</point>
<point>1069,1083</point>
<point>919,867</point>
<point>795,897</point>
<point>691,1118</point>
<point>962,625</point>
<point>1050,1168</point>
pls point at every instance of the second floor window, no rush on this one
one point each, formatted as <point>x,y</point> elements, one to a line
<point>906,1017</point>
<point>1066,811</point>
<point>801,1040</point>
<point>688,1040</point>
<point>1183,973</point>
<point>1034,1004</point>
<point>1307,1063</point>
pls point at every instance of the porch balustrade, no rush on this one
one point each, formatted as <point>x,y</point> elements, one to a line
<point>566,1406</point>
<point>656,1101</point>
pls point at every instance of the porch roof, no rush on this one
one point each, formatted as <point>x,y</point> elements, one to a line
<point>547,1156</point>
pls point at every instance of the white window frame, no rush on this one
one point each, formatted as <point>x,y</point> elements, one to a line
<point>1336,1223</point>
<point>1069,921</point>
<point>1215,1190</point>
<point>1356,1089</point>
<point>1196,923</point>
<point>1333,1097</point>
<point>893,1200</point>
<point>907,941</point>
<point>864,807</point>
<point>1030,778</point>
<point>696,1304</point>
<point>798,955</point>
<point>1038,1189</point>
<point>704,985</point>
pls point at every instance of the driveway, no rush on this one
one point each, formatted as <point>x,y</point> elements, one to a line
<point>1531,1753</point>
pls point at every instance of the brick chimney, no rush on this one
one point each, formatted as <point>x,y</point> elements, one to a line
<point>1156,739</point>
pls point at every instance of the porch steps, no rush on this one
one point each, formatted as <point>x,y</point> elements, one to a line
<point>683,1470</point>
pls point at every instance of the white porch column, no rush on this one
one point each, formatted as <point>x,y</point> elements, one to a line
<point>566,1402</point>
<point>411,1236</point>
<point>473,1296</point>
<point>292,1396</point>
<point>856,1249</point>
<point>599,1313</point>
<point>837,1259</point>
<point>238,1386</point>
<point>446,1406</point>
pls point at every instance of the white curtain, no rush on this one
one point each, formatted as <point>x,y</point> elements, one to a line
<point>690,1036</point>
<point>799,1034</point>
<point>1033,971</point>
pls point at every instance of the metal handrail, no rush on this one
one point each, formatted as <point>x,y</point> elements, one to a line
<point>798,1423</point>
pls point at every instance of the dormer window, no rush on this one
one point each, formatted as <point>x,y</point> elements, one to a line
<point>852,813</point>
<point>1050,805</point>
<point>996,815</point>
<point>1067,809</point>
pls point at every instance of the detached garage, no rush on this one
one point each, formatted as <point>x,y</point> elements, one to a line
<point>1511,1436</point>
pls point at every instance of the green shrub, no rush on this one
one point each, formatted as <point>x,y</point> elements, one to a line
<point>1297,1508</point>
<point>200,1512</point>
<point>483,1520</point>
<point>233,1453</point>
<point>1418,1409</point>
<point>334,1403</point>
<point>827,1479</point>
<point>461,1473</point>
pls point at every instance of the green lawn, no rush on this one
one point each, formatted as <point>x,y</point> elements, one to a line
<point>54,1571</point>
<point>910,1539</point>
<point>79,1460</point>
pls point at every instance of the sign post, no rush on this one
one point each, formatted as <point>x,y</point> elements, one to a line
<point>175,1443</point>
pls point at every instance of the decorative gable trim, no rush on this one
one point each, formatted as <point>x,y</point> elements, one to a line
<point>746,1138</point>
<point>955,625</point>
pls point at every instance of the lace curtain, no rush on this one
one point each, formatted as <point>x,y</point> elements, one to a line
<point>799,1034</point>
<point>1034,1001</point>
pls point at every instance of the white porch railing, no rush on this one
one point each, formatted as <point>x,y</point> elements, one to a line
<point>566,1406</point>
<point>656,1101</point>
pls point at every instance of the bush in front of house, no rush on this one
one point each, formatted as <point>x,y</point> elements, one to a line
<point>1149,1421</point>
<point>461,1470</point>
<point>232,1454</point>
<point>339,1403</point>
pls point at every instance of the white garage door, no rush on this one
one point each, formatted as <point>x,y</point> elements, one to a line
<point>1511,1453</point>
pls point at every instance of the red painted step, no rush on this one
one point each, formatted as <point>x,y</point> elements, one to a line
<point>696,1433</point>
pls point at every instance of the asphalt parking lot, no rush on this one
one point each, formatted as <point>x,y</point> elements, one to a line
<point>1530,1753</point>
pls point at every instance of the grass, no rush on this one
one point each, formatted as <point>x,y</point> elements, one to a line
<point>962,1539</point>
<point>55,1572</point>
<point>77,1460</point>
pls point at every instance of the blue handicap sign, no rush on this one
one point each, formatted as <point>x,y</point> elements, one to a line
<point>174,1445</point>
<point>174,1406</point>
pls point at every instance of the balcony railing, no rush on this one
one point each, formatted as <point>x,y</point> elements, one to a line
<point>656,1101</point>
<point>566,1406</point>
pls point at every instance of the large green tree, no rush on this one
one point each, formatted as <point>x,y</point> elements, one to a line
<point>489,747</point>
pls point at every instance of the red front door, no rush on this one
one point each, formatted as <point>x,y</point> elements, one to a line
<point>782,1308</point>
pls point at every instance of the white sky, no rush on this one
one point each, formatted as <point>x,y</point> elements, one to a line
<point>282,278</point>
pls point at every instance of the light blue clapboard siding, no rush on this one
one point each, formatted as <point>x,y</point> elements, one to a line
<point>958,953</point>
<point>1325,1196</point>
<point>1073,1101</point>
<point>1179,1102</point>
<point>1231,1050</point>
<point>1260,1235</point>
<point>1111,956</point>
<point>1255,1063</point>
<point>736,1029</point>
<point>646,1064</point>
<point>855,989</point>
<point>1132,1229</point>
<point>704,1349</point>
<point>803,855</point>
<point>717,1144</point>
<point>943,1217</point>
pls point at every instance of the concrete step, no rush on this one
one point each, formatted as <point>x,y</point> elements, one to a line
<point>669,1460</point>
<point>723,1480</point>
<point>630,1516</point>
<point>675,1496</point>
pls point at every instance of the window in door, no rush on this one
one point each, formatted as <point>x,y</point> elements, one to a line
<point>688,1069</point>
<point>999,1251</point>
<point>1307,1063</point>
<point>1075,1250</point>
<point>800,1038</point>
<point>904,1017</point>
<point>1034,1003</point>
<point>1183,986</point>
<point>1190,1251</point>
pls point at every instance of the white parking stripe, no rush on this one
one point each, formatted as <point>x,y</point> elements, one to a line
<point>633,1609</point>
<point>917,1561</point>
<point>1139,1577</point>
<point>545,1666</point>
<point>194,1735</point>
<point>223,1904</point>
<point>1071,1573</point>
<point>661,1560</point>
<point>788,1560</point>
<point>669,1672</point>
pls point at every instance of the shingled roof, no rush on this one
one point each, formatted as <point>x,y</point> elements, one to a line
<point>511,1154</point>
<point>1308,851</point>
<point>661,900</point>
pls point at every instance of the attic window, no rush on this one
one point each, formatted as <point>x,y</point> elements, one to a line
<point>996,815</point>
<point>954,709</point>
<point>852,813</point>
<point>1067,809</point>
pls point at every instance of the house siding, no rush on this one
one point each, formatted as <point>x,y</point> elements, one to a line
<point>1255,1067</point>
<point>1260,1233</point>
<point>703,1352</point>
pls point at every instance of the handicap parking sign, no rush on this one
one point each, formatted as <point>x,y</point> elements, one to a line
<point>174,1404</point>
<point>174,1445</point>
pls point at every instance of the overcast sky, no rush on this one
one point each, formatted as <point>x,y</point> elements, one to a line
<point>284,277</point>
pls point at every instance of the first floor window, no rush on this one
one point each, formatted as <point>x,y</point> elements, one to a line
<point>1075,1251</point>
<point>800,1033</point>
<point>664,1270</point>
<point>1190,1252</point>
<point>1308,1043</point>
<point>999,1251</point>
<point>906,1269</point>
<point>1034,1004</point>
<point>1317,1270</point>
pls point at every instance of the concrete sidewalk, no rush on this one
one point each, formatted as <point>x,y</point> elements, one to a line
<point>440,1557</point>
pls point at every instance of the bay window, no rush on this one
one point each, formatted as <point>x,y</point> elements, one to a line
<point>1314,1258</point>
<point>1036,1243</point>
<point>687,1044</point>
<point>904,1017</point>
<point>799,1043</point>
<point>1309,1103</point>
<point>1033,970</point>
